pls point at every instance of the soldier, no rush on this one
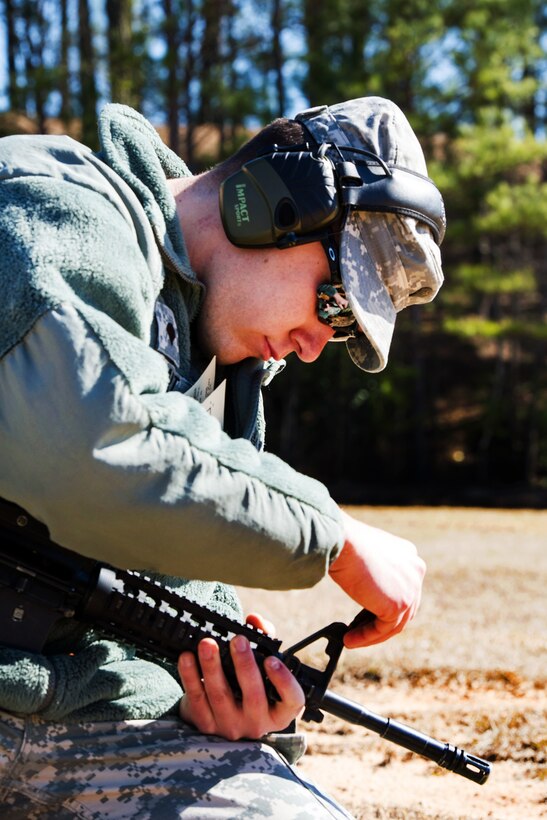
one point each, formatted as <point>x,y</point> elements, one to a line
<point>142,311</point>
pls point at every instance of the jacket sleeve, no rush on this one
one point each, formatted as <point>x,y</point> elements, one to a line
<point>119,469</point>
<point>149,479</point>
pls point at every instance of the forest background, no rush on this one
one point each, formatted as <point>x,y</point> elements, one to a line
<point>460,414</point>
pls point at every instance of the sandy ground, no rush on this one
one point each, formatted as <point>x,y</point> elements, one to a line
<point>470,670</point>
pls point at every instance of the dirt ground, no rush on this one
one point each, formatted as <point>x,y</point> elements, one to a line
<point>470,670</point>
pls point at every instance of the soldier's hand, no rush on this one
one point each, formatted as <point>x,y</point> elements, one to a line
<point>209,704</point>
<point>384,574</point>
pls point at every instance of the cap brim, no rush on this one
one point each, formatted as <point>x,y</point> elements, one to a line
<point>368,297</point>
<point>388,259</point>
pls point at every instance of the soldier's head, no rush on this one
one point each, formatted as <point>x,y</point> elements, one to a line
<point>350,179</point>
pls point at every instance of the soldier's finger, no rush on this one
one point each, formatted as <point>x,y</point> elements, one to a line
<point>249,678</point>
<point>292,699</point>
<point>259,622</point>
<point>194,706</point>
<point>219,694</point>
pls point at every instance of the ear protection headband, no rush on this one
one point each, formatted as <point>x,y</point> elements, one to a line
<point>292,195</point>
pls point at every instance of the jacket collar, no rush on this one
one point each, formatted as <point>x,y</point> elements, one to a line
<point>131,146</point>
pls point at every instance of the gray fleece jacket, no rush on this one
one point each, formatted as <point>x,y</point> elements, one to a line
<point>94,441</point>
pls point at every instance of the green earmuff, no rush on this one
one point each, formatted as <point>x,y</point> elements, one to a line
<point>278,195</point>
<point>291,196</point>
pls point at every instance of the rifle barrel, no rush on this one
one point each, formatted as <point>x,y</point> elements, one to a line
<point>444,754</point>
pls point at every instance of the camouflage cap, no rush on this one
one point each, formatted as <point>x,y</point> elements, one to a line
<point>387,261</point>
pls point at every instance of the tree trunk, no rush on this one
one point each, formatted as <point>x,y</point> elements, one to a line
<point>172,62</point>
<point>120,51</point>
<point>277,56</point>
<point>88,87</point>
<point>65,112</point>
<point>14,93</point>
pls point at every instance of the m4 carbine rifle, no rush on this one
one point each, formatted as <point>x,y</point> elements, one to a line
<point>41,582</point>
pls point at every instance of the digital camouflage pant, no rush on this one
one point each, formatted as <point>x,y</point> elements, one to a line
<point>146,769</point>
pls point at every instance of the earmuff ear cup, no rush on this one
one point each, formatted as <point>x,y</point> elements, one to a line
<point>246,210</point>
<point>285,192</point>
<point>313,192</point>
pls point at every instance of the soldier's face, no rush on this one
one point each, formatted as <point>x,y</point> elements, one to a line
<point>263,303</point>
